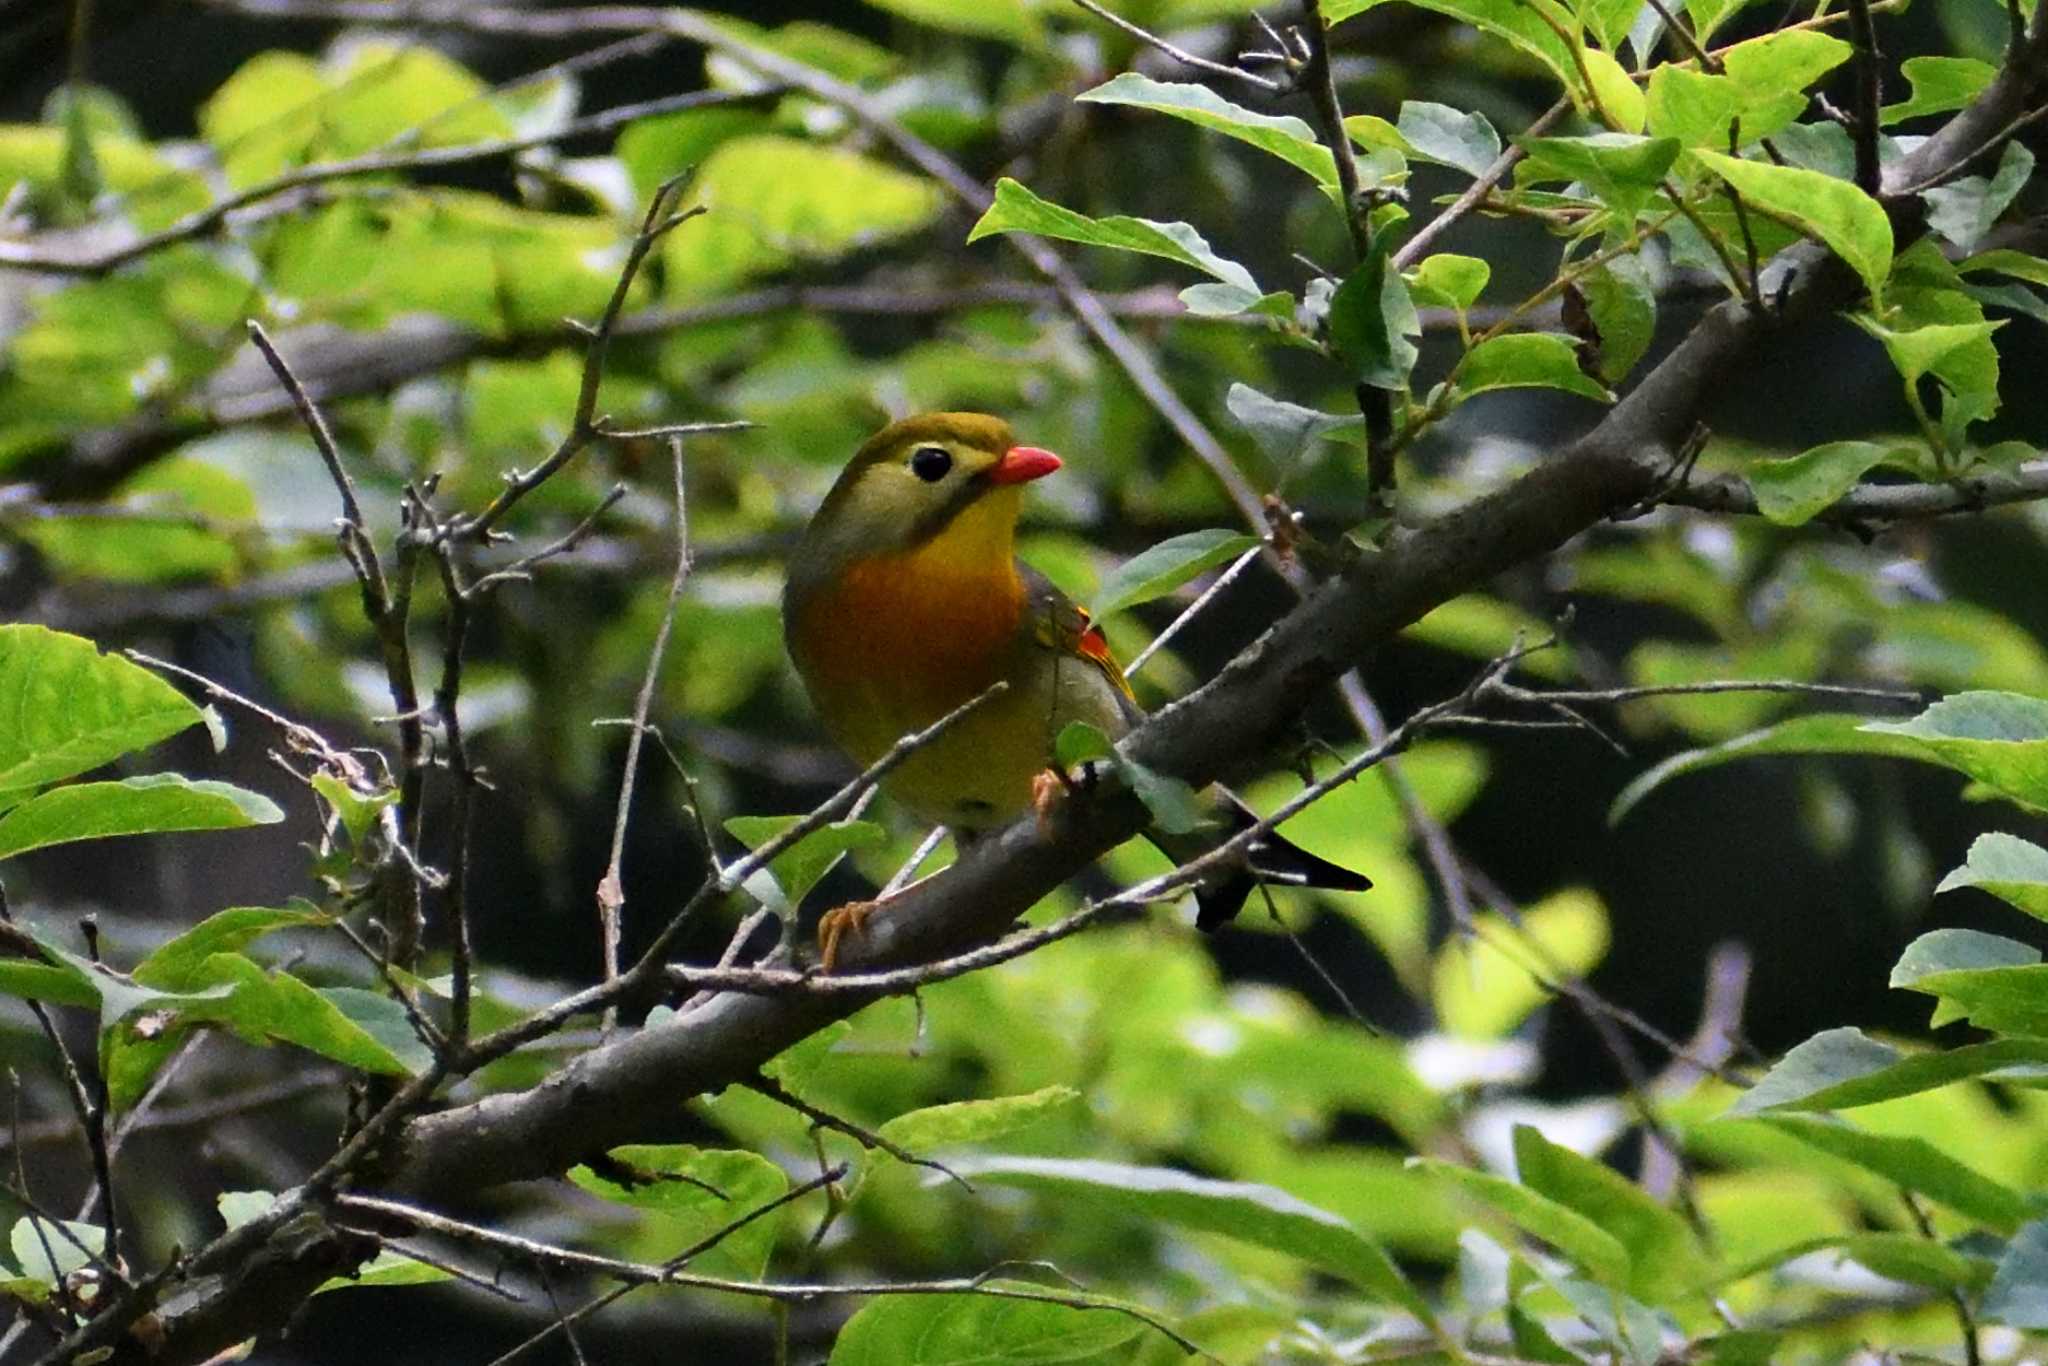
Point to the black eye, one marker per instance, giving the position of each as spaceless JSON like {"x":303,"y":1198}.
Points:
{"x":930,"y":463}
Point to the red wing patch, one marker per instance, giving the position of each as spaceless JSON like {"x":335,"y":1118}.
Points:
{"x":1094,"y":646}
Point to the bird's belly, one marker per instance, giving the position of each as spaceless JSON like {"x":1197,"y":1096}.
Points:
{"x":979,"y":772}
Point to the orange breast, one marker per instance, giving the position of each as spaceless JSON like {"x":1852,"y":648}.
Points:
{"x":899,"y":640}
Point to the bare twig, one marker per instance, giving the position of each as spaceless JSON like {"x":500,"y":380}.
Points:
{"x":1179,"y":54}
{"x":92,"y":1121}
{"x":1864,"y":127}
{"x":1194,"y":609}
{"x":823,"y":1181}
{"x":387,"y":606}
{"x":642,"y":1273}
{"x":1461,"y":208}
{"x":866,"y":1137}
{"x":662,"y":217}
{"x":611,"y":890}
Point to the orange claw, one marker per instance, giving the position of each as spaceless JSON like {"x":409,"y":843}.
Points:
{"x":1046,"y":790}
{"x":839,"y":922}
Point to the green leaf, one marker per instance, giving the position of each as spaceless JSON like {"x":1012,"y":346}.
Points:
{"x":2019,"y":265}
{"x":357,"y":811}
{"x":1771,"y":75}
{"x":1904,"y":1257}
{"x":1078,"y":743}
{"x":1623,"y":310}
{"x":2009,"y":868}
{"x":1532,"y":26}
{"x":1663,"y":1256}
{"x":979,"y":1330}
{"x":1835,"y":733}
{"x":1450,"y":137}
{"x":1914,"y":1164}
{"x":1916,"y":351}
{"x":1584,"y":1243}
{"x":66,"y":708}
{"x":1695,"y":108}
{"x":2018,"y":1294}
{"x":91,"y":545}
{"x":1254,"y":1214}
{"x":1157,"y":571}
{"x":45,"y":1255}
{"x":1450,"y":280}
{"x":1211,"y":299}
{"x":1622,"y":169}
{"x":1010,"y":21}
{"x":178,"y":964}
{"x":798,"y":868}
{"x":977,"y":1121}
{"x":1840,"y":1069}
{"x":158,"y":804}
{"x":1285,"y":137}
{"x":1940,"y":84}
{"x":1993,"y":982}
{"x":1016,"y":209}
{"x":777,"y":202}
{"x":1998,"y":738}
{"x":1371,"y":319}
{"x":1610,"y":94}
{"x":1483,"y":991}
{"x":1527,"y":360}
{"x":695,"y":1192}
{"x":266,"y":1006}
{"x":1958,"y":950}
{"x":1850,"y":222}
{"x":60,"y":982}
{"x":1284,"y":430}
{"x":1172,"y":803}
{"x":1793,"y":491}
{"x":1964,"y":210}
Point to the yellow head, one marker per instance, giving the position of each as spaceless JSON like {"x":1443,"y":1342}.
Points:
{"x":955,"y":478}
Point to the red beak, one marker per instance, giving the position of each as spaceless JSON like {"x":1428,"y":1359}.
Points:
{"x":1021,"y":464}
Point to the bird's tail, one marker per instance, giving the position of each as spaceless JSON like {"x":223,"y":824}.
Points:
{"x":1270,"y":859}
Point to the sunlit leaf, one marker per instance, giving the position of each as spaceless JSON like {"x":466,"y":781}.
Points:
{"x":1282,"y":136}
{"x":1017,"y":209}
{"x":66,"y":708}
{"x":1255,"y":1214}
{"x":158,"y":804}
{"x":1164,"y":567}
{"x":1850,"y":222}
{"x":970,"y":1330}
{"x":2008,"y":867}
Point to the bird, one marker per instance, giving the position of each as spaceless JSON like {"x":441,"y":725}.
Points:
{"x":904,"y":600}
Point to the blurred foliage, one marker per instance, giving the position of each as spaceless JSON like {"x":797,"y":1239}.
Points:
{"x":1272,"y":1176}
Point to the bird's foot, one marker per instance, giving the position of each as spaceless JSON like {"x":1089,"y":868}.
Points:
{"x":839,"y":922}
{"x":1047,"y":790}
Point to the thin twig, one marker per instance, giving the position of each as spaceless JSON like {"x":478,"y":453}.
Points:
{"x":1869,"y":98}
{"x":866,"y":1137}
{"x":662,"y":217}
{"x":1461,"y":208}
{"x":611,"y":889}
{"x":643,"y":1273}
{"x":1194,"y":609}
{"x":723,"y":881}
{"x":91,"y":1113}
{"x":823,"y":1180}
{"x":1179,"y":54}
